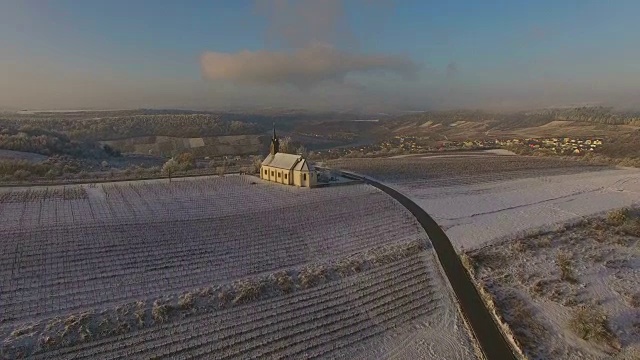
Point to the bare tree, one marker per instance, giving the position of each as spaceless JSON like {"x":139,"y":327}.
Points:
{"x":302,"y":151}
{"x":170,"y":167}
{"x":221,"y":170}
{"x":286,"y":145}
{"x":256,"y":165}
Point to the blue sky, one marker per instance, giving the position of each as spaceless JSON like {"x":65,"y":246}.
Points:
{"x":318,"y":54}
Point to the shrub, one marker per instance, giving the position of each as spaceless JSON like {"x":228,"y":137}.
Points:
{"x":520,"y":246}
{"x":21,"y":174}
{"x":284,"y":281}
{"x":140,"y":312}
{"x":160,"y":312}
{"x":255,"y":166}
{"x":312,"y":275}
{"x":468,"y":263}
{"x":566,"y":271}
{"x":170,"y":167}
{"x":186,"y":301}
{"x":540,"y":287}
{"x":617,"y":217}
{"x":23,"y":330}
{"x":206,"y":292}
{"x":590,"y":323}
{"x":522,"y":320}
{"x":186,"y":161}
{"x":224,"y":296}
{"x":631,"y":227}
{"x":247,"y":290}
{"x":349,"y":265}
{"x":633,"y":300}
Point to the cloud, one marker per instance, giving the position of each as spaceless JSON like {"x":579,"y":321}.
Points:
{"x":303,"y":68}
{"x":298,"y":23}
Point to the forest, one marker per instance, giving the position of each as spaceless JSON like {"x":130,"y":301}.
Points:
{"x":45,"y":142}
{"x":122,"y":127}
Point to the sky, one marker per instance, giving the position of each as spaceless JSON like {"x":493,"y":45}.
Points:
{"x":370,"y":55}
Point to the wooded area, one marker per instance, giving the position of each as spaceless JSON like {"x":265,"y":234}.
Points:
{"x":120,"y":127}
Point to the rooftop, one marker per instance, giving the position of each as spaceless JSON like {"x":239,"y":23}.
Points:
{"x":282,"y":160}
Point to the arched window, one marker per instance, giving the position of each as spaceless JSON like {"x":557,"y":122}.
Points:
{"x":304,"y":177}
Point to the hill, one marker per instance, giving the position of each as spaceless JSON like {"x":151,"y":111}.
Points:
{"x":220,"y":267}
{"x":461,"y":125}
{"x":167,"y":146}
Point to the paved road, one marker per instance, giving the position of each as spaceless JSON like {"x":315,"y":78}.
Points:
{"x":486,"y":331}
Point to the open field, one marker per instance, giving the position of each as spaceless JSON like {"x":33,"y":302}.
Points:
{"x":580,"y":284}
{"x":200,"y":146}
{"x":219,"y":268}
{"x":458,"y":169}
{"x":479,"y":200}
{"x":21,"y":155}
{"x":494,"y":208}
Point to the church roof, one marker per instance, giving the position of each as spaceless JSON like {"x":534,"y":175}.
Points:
{"x":282,"y":160}
{"x":303,"y":165}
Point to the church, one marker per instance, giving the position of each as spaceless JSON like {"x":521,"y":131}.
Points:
{"x":287,"y":169}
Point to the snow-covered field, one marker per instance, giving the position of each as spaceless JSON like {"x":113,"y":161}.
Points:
{"x":71,"y":255}
{"x":485,"y":203}
{"x":487,"y":198}
{"x":541,"y":282}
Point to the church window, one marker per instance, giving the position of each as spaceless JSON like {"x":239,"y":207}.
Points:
{"x":304,"y":177}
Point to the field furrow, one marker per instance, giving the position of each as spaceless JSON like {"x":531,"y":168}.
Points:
{"x":267,"y":311}
{"x":99,"y":249}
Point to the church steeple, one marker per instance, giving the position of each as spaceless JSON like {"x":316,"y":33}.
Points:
{"x":275,"y":143}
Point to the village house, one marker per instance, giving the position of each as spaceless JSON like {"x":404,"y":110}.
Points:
{"x":287,"y":169}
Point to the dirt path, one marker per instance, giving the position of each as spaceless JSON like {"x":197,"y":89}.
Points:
{"x":486,"y":331}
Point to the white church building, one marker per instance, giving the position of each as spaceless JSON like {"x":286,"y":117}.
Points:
{"x":287,"y":169}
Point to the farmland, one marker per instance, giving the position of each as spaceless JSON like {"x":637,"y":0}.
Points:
{"x":535,"y":240}
{"x":481,"y":199}
{"x":458,"y":169}
{"x":580,"y":282}
{"x":219,"y":267}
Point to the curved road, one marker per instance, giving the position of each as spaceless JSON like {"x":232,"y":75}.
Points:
{"x":486,"y":331}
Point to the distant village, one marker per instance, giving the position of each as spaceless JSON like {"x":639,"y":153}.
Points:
{"x":408,"y":144}
{"x":560,"y":146}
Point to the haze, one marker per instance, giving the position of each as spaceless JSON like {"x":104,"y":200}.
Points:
{"x":366,"y":55}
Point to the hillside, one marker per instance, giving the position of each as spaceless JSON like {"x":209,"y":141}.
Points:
{"x":46,"y":142}
{"x":166,"y":132}
{"x":167,"y":146}
{"x":220,"y":267}
{"x":119,"y":126}
{"x":535,"y":243}
{"x":460,"y":125}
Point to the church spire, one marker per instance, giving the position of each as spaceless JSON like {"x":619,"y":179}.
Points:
{"x":275,"y":143}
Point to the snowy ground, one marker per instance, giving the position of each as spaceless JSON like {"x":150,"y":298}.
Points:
{"x":475,"y":215}
{"x":483,"y":199}
{"x":73,"y":256}
{"x":486,"y":203}
{"x":602,"y":271}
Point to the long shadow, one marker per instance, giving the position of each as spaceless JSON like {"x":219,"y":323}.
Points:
{"x":486,"y":331}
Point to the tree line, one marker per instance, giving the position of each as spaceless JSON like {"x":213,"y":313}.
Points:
{"x":45,"y":142}
{"x":502,"y":121}
{"x":122,"y":127}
